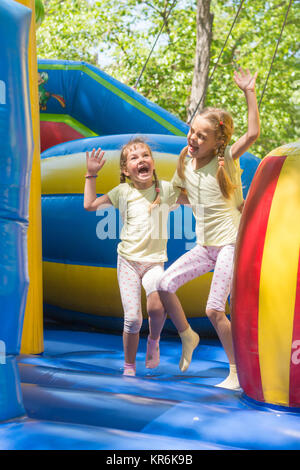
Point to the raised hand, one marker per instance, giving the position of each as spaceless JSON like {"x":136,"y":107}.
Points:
{"x":244,"y":80}
{"x":94,"y":161}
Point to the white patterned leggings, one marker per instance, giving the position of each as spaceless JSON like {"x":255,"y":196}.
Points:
{"x":200,"y":260}
{"x":132,"y":275}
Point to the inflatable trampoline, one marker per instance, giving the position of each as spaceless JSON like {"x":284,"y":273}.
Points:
{"x":61,"y":353}
{"x":79,"y":248}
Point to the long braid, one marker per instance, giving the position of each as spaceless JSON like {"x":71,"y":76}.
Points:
{"x":157,"y":199}
{"x":181,"y":161}
{"x":224,"y":181}
{"x":123,"y":160}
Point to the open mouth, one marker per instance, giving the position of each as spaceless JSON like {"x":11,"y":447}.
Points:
{"x":143,"y":170}
{"x":192,"y":148}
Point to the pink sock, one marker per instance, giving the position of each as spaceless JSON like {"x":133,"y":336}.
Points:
{"x":152,"y":356}
{"x":129,"y":369}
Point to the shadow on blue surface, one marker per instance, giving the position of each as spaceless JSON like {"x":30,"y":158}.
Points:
{"x":75,"y":397}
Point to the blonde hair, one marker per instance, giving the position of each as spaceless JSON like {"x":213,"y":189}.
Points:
{"x":222,"y":125}
{"x":123,"y":162}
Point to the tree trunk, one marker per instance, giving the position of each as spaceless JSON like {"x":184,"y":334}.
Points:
{"x":201,"y":69}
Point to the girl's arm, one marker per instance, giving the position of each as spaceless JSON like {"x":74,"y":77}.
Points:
{"x":94,"y":163}
{"x":183,"y":199}
{"x":246,"y":82}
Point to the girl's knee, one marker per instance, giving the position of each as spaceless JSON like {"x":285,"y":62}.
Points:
{"x":156,"y":312}
{"x":132,"y":325}
{"x":214,"y":315}
{"x":165,"y":285}
{"x":155,"y":307}
{"x":216,"y":304}
{"x":154,"y":303}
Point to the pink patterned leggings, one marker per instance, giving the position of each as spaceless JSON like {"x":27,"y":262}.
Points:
{"x":132,"y":275}
{"x":200,"y":260}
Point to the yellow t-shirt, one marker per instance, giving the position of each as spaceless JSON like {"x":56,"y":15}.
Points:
{"x":144,"y":234}
{"x":217,"y":218}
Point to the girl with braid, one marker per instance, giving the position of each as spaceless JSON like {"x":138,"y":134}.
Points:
{"x":142,"y":250}
{"x":211,"y":177}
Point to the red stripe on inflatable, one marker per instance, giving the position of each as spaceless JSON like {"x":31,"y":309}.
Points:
{"x":53,"y":133}
{"x":295,"y":353}
{"x":246,"y":281}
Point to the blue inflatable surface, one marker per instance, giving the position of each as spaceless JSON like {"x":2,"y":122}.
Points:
{"x":75,"y":397}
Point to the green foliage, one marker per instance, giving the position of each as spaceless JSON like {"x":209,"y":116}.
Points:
{"x":39,"y":13}
{"x":117,"y":36}
{"x":252,"y":46}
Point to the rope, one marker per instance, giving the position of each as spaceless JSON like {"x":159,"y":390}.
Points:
{"x":220,"y":54}
{"x":275,"y":52}
{"x":154,"y":44}
{"x":224,"y":45}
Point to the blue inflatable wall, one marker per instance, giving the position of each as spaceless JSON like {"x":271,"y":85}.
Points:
{"x":15,"y":164}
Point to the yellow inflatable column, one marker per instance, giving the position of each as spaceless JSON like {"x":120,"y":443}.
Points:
{"x":32,"y":337}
